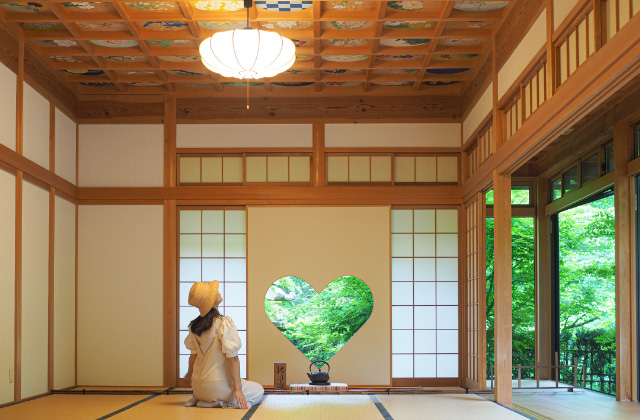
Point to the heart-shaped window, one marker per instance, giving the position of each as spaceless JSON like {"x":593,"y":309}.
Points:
{"x":318,"y":324}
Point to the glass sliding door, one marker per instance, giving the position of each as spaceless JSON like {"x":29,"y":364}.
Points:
{"x":585,"y":270}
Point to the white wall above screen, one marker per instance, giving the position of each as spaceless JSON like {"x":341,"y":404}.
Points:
{"x":530,"y":45}
{"x":36,"y":127}
{"x":244,"y":135}
{"x":8,"y":108}
{"x":392,"y":135}
{"x":121,"y":155}
{"x":65,"y":147}
{"x":481,"y":109}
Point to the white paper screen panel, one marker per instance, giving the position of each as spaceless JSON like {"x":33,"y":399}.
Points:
{"x":392,"y":135}
{"x":120,"y":260}
{"x":213,"y":246}
{"x":65,"y":147}
{"x":64,"y":313}
{"x":36,"y":127}
{"x":278,"y":169}
{"x":8,"y":107}
{"x":35,"y":286}
{"x":243,"y":135}
{"x":121,"y":155}
{"x":357,"y":168}
{"x":7,"y":280}
{"x":419,"y":169}
{"x":424,"y":290}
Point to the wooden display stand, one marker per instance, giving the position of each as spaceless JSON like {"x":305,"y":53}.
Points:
{"x":334,"y":386}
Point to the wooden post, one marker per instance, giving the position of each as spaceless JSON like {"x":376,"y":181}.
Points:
{"x":624,"y":208}
{"x":170,"y":299}
{"x":170,"y":134}
{"x":317,"y":174}
{"x":557,"y":363}
{"x":502,"y":294}
{"x":279,"y":376}
{"x":499,"y":134}
{"x":544,"y":329}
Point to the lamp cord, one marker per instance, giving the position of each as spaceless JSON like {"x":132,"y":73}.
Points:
{"x":247,"y":5}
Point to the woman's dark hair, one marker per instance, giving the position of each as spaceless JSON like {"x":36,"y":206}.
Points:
{"x":203,"y":323}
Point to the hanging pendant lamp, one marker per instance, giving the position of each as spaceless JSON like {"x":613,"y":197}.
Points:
{"x":247,"y":53}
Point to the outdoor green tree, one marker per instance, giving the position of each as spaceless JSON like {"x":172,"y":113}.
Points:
{"x":319,"y":324}
{"x":587,"y":291}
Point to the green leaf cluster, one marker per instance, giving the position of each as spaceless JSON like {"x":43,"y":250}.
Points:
{"x":320,"y":324}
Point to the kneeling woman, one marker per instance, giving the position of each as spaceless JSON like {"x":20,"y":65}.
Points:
{"x":214,"y":368}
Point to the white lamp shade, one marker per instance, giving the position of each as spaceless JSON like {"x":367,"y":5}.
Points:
{"x":247,"y":53}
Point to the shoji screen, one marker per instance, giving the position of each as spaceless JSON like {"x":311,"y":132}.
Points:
{"x":213,"y":246}
{"x":475,"y":295}
{"x":424,"y":299}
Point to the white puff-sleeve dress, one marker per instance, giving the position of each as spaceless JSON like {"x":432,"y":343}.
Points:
{"x":211,"y":378}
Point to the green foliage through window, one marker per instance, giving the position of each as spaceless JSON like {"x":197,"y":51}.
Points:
{"x":523,"y":294}
{"x":587,"y":292}
{"x":520,"y":196}
{"x":318,"y":324}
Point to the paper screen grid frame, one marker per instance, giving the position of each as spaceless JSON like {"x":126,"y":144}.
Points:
{"x":212,"y":246}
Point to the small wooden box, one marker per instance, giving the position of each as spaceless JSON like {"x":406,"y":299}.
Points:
{"x":279,"y":376}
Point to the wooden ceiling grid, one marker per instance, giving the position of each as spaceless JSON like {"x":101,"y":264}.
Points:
{"x":344,"y":48}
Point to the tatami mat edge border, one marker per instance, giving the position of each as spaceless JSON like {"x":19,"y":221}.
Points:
{"x":381,"y":408}
{"x":128,"y":407}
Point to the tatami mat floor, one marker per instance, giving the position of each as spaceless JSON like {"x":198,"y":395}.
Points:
{"x":532,"y":405}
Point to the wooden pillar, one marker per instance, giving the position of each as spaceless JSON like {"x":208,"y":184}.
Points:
{"x":170,"y":133}
{"x":551,"y":53}
{"x":17,"y":355}
{"x":502,"y":293}
{"x":170,"y":300}
{"x":624,"y":208}
{"x":317,"y":178}
{"x":544,"y":328}
{"x":498,"y":115}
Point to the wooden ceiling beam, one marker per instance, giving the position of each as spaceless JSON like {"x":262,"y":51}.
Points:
{"x":150,"y":108}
